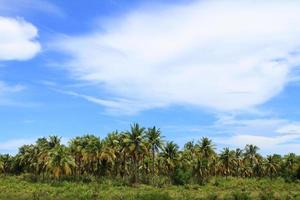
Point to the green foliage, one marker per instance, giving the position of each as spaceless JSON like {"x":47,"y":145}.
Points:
{"x":153,"y":196}
{"x":140,"y":156}
{"x":15,"y":188}
{"x":181,"y":176}
{"x":30,"y":177}
{"x":160,"y":181}
{"x":239,"y":195}
{"x":267,"y":195}
{"x":212,"y":196}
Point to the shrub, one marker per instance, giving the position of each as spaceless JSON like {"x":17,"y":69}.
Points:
{"x":153,"y":196}
{"x":29,"y":177}
{"x":238,"y":195}
{"x":266,"y":195}
{"x":160,"y":181}
{"x":181,"y":176}
{"x":212,"y":196}
{"x":298,"y":173}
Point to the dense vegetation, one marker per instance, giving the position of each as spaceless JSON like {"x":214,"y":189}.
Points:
{"x":16,"y":188}
{"x":141,"y":157}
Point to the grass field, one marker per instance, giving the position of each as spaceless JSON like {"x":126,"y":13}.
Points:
{"x":14,"y":187}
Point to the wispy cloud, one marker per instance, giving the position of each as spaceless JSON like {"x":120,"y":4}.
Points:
{"x":13,"y":7}
{"x":29,"y":121}
{"x":11,"y":89}
{"x":6,"y":93}
{"x":225,"y":55}
{"x":113,"y":107}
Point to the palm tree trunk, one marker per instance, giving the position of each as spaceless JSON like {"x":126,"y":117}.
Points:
{"x":153,"y":162}
{"x":135,"y":169}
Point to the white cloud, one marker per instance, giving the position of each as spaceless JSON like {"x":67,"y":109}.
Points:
{"x":272,"y":135}
{"x":267,"y":144}
{"x":226,"y":55}
{"x":17,"y":39}
{"x":264,"y":142}
{"x":17,"y":42}
{"x":11,"y":146}
{"x":14,"y":144}
{"x":290,"y":129}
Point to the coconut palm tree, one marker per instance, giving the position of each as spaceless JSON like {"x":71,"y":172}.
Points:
{"x":28,"y":158}
{"x":43,"y":146}
{"x":60,"y":162}
{"x":272,"y":165}
{"x":290,"y":162}
{"x":238,"y":160}
{"x":85,"y":151}
{"x":227,"y":161}
{"x":53,"y":141}
{"x":1,"y":165}
{"x":113,"y":141}
{"x":201,"y":170}
{"x":251,"y":156}
{"x":170,"y":156}
{"x":90,"y":153}
{"x":141,"y":152}
{"x":258,"y":169}
{"x":124,"y":157}
{"x":76,"y":146}
{"x":136,"y":146}
{"x":154,"y":140}
{"x":6,"y":163}
{"x":190,"y":146}
{"x":214,"y":165}
{"x":206,"y":148}
{"x":106,"y":157}
{"x":190,"y":151}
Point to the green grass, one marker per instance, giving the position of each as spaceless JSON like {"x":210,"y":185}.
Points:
{"x":14,"y":187}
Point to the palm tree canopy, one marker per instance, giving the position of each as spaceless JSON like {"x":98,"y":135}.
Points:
{"x":206,"y":147}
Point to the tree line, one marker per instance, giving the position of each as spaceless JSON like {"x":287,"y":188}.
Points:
{"x":141,"y":155}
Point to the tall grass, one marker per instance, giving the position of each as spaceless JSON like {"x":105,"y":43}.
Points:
{"x":17,"y":188}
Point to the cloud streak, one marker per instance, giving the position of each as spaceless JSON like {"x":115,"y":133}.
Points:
{"x":10,"y":89}
{"x":114,"y":106}
{"x":15,"y":7}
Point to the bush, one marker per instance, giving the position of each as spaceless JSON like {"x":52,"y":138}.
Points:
{"x":298,"y":173}
{"x":266,"y":195}
{"x":160,"y":181}
{"x":29,"y":177}
{"x":181,"y":176}
{"x":238,"y":195}
{"x":39,"y":195}
{"x":153,"y":196}
{"x":212,"y":196}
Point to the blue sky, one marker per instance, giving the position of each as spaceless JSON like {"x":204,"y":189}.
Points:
{"x":223,"y":69}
